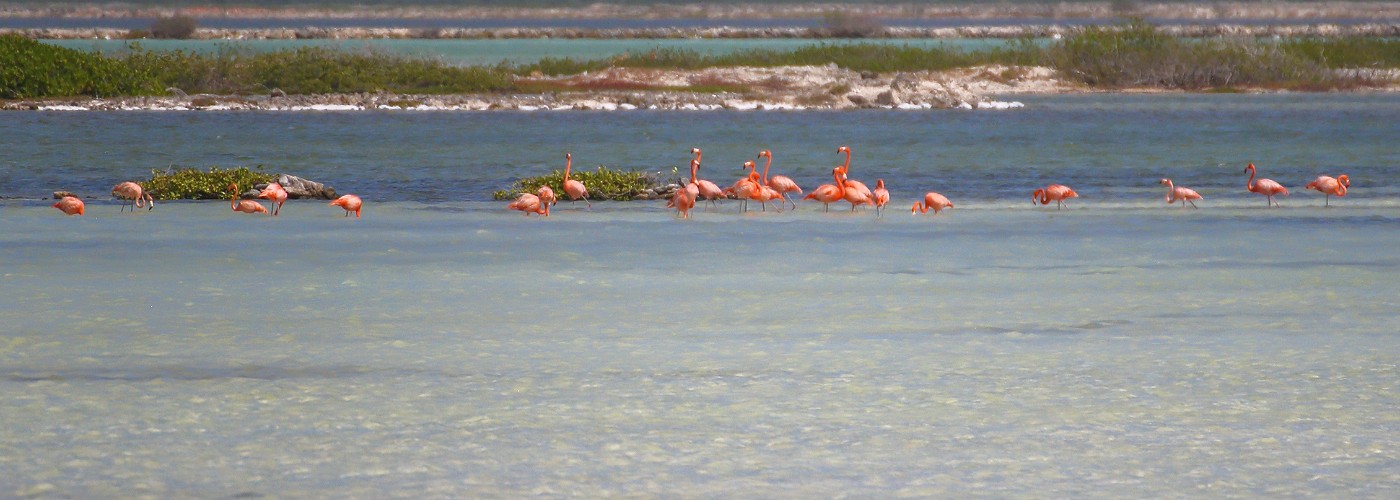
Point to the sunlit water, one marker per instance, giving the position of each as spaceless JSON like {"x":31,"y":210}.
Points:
{"x":442,"y":346}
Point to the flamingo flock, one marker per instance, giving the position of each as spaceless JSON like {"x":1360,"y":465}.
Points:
{"x":765,"y":189}
{"x":750,"y":187}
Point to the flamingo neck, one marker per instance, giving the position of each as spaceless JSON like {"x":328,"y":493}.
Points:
{"x":1249,"y":185}
{"x":847,"y":166}
{"x":694,"y":170}
{"x":765,"y":169}
{"x":1042,"y":196}
{"x":568,"y":164}
{"x":233,"y":200}
{"x":1171,"y":192}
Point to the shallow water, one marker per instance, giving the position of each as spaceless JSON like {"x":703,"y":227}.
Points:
{"x":449,"y":348}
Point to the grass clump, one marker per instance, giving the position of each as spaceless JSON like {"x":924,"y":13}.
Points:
{"x":29,"y":69}
{"x":603,"y":184}
{"x":194,"y":184}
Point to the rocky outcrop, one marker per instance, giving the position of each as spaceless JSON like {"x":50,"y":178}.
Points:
{"x":297,"y":188}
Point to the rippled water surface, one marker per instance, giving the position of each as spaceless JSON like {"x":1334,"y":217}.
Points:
{"x":440,"y":346}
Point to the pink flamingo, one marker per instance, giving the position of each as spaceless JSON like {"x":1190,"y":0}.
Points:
{"x":782,"y":185}
{"x":1057,"y":192}
{"x":1330,"y":187}
{"x":846,"y":171}
{"x":1184,"y":195}
{"x":853,"y":194}
{"x":934,"y":201}
{"x":547,"y":197}
{"x":829,"y":193}
{"x":350,"y":203}
{"x":532,"y":203}
{"x":573,"y":188}
{"x":684,"y":199}
{"x":70,"y":205}
{"x":245,"y":206}
{"x":1266,"y":187}
{"x":274,"y":193}
{"x":707,"y":190}
{"x":746,"y":188}
{"x":882,"y":196}
{"x":767,"y":194}
{"x":132,"y":191}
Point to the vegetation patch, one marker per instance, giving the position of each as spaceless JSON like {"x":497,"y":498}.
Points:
{"x":193,"y":184}
{"x":29,"y":69}
{"x":603,"y":184}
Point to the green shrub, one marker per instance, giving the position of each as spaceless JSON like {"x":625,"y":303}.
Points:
{"x":178,"y":27}
{"x":30,"y":69}
{"x":603,"y":184}
{"x":194,"y":184}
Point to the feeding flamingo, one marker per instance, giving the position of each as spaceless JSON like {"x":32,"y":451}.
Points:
{"x":684,"y":199}
{"x":1266,"y":187}
{"x":70,"y":205}
{"x":934,"y":201}
{"x":132,"y":191}
{"x":1057,"y":192}
{"x":276,"y":194}
{"x":782,"y":185}
{"x":829,"y":193}
{"x":853,"y":195}
{"x":882,"y":196}
{"x":1184,"y":195}
{"x":573,"y":188}
{"x":350,"y":203}
{"x":245,"y":206}
{"x":533,"y":203}
{"x":547,"y":197}
{"x":1330,"y":187}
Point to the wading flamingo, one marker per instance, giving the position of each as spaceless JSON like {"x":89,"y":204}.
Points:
{"x":782,"y":185}
{"x":245,"y":206}
{"x":70,"y":206}
{"x":684,"y":199}
{"x":350,"y":203}
{"x":547,"y":197}
{"x":132,"y":191}
{"x":1184,"y":195}
{"x":1266,"y":187}
{"x":274,"y":193}
{"x":846,"y":172}
{"x":746,"y":188}
{"x":934,"y":201}
{"x":829,"y":193}
{"x":1057,"y":192}
{"x":1330,"y":187}
{"x":882,"y":196}
{"x":573,"y":188}
{"x":532,"y":203}
{"x":706,"y":189}
{"x":853,"y":195}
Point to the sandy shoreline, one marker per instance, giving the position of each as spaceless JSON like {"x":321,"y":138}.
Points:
{"x":700,"y":10}
{"x":782,"y":88}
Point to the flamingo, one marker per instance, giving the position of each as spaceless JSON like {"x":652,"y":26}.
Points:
{"x":350,"y":203}
{"x":1266,"y":187}
{"x":547,"y":197}
{"x":782,"y":185}
{"x":1184,"y":195}
{"x":1057,"y":192}
{"x":746,"y":188}
{"x":767,"y":194}
{"x":829,"y":193}
{"x":706,"y":189}
{"x":532,"y":203}
{"x":1330,"y":187}
{"x":882,"y":196}
{"x":70,"y":205}
{"x":132,"y":191}
{"x":853,"y":194}
{"x":934,"y":201}
{"x":245,"y":206}
{"x":274,"y":193}
{"x":846,"y":170}
{"x":573,"y":188}
{"x":684,"y":199}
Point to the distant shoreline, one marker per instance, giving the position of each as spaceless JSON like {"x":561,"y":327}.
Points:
{"x":1047,"y":11}
{"x":1001,"y":32}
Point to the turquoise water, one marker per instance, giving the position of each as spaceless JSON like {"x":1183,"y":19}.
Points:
{"x":476,"y":52}
{"x":443,"y":346}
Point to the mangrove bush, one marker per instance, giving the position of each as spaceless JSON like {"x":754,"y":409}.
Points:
{"x":193,"y":184}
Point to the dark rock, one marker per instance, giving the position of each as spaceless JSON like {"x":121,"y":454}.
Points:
{"x":301,"y":188}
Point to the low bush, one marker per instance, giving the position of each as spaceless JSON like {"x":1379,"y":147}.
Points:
{"x":194,"y":184}
{"x":30,"y":69}
{"x":177,"y":27}
{"x":603,"y":184}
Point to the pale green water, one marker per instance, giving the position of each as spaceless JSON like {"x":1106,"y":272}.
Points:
{"x":448,"y":348}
